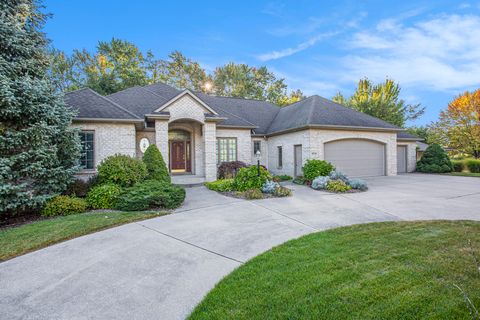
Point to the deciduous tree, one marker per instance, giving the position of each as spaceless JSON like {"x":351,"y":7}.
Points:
{"x":381,"y":100}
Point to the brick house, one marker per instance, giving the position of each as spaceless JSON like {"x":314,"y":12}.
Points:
{"x":195,"y":132}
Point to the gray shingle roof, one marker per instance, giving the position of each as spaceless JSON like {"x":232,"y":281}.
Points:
{"x":407,"y":136}
{"x":316,"y":110}
{"x":138,"y":100}
{"x":242,"y":112}
{"x":89,"y":104}
{"x":263,"y":117}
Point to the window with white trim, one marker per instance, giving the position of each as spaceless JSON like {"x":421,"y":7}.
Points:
{"x":226,"y":149}
{"x":87,"y":151}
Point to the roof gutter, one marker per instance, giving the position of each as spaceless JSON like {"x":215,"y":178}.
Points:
{"x":234,"y":126}
{"x":107,"y":120}
{"x":334,"y":127}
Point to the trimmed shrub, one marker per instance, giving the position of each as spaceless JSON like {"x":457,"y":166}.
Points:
{"x":338,"y":175}
{"x":320,"y":182}
{"x":150,"y":194}
{"x":434,"y":160}
{"x":228,"y":170}
{"x":103,"y":196}
{"x":338,"y":186}
{"x":247,"y":178}
{"x":358,"y":184}
{"x":282,"y":177}
{"x":269,"y":187}
{"x":473,"y":165}
{"x":314,"y":168}
{"x":156,"y":167}
{"x":458,"y":165}
{"x":122,"y":170}
{"x":222,"y":185}
{"x":64,"y":206}
{"x":253,"y":194}
{"x":282,"y":192}
{"x":80,"y":187}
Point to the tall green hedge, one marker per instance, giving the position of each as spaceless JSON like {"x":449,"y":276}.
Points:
{"x":434,"y":160}
{"x":156,"y":167}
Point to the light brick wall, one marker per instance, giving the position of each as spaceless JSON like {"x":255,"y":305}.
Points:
{"x":287,"y":142}
{"x":111,"y":139}
{"x":319,"y":137}
{"x":244,"y":142}
{"x":186,"y":108}
{"x":411,"y":154}
{"x":210,"y":160}
{"x":150,"y":135}
{"x":161,"y":138}
{"x":263,"y":152}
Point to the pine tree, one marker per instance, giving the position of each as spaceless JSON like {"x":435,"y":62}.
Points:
{"x":38,"y":151}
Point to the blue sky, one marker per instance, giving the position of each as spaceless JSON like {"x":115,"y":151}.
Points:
{"x":432,"y":48}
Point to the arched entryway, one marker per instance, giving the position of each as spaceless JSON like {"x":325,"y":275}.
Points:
{"x":180,"y":151}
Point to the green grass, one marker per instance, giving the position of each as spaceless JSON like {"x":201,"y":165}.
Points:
{"x":463,"y":174}
{"x":29,"y":237}
{"x":402,"y":270}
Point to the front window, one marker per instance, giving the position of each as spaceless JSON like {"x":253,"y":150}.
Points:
{"x":280,"y":157}
{"x":226,"y":149}
{"x":86,"y":157}
{"x":256,"y":147}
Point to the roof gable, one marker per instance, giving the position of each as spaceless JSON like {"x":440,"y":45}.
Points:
{"x":191,"y":95}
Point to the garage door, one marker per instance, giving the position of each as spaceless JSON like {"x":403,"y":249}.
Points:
{"x":401,"y":159}
{"x":357,"y":158}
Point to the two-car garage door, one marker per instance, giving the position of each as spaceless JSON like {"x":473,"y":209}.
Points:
{"x":356,"y":157}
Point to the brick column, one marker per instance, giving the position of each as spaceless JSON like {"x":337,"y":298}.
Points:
{"x":161,"y":138}
{"x":210,"y":140}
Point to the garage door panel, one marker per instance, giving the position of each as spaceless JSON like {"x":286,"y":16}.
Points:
{"x":357,"y":158}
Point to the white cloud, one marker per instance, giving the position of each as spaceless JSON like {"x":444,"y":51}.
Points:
{"x":277,"y":54}
{"x":441,"y":53}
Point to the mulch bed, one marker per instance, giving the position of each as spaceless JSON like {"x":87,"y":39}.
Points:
{"x":10,"y":221}
{"x":238,"y":195}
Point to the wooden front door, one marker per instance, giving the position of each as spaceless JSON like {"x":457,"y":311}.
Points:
{"x":178,"y":155}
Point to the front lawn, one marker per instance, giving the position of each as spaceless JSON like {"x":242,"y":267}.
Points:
{"x":20,"y":240}
{"x":395,"y":270}
{"x":463,"y":174}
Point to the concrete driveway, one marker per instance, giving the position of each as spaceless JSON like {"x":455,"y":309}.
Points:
{"x":161,"y":268}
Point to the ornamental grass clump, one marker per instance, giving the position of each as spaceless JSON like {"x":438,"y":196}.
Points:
{"x":338,"y":186}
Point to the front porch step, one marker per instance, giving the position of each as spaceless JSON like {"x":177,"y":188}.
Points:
{"x":188,"y":181}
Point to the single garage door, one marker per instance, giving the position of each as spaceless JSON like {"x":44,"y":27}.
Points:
{"x":356,"y":157}
{"x":401,"y":159}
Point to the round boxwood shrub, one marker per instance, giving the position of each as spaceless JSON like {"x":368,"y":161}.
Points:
{"x":150,"y":194}
{"x":156,"y":167}
{"x":228,"y":170}
{"x":64,"y":206}
{"x":103,"y":196}
{"x":434,"y":160}
{"x":314,"y":168}
{"x":248,"y":178}
{"x":122,"y":170}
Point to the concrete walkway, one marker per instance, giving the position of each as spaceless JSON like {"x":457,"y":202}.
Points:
{"x":161,"y":268}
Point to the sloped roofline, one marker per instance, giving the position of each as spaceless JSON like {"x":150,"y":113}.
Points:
{"x":182,"y":94}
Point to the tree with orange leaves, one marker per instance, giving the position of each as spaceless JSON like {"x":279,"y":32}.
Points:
{"x":460,"y":123}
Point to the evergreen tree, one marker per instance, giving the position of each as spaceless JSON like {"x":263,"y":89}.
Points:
{"x":38,"y":150}
{"x":156,"y":167}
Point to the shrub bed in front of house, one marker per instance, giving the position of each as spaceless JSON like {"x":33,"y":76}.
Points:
{"x":248,"y":184}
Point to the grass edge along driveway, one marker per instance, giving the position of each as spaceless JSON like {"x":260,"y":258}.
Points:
{"x":19,"y":240}
{"x":393,"y":270}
